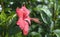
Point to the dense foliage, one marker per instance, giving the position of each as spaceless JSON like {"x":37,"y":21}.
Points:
{"x":48,"y":12}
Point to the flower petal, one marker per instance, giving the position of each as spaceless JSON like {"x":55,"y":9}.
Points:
{"x":26,"y":11}
{"x":28,"y":20}
{"x":19,"y":12}
{"x":21,"y":23}
{"x":26,"y":29}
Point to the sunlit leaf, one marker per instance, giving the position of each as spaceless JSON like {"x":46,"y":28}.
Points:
{"x":45,"y":18}
{"x":3,"y":16}
{"x":57,"y":32}
{"x":46,"y":10}
{"x":46,"y":14}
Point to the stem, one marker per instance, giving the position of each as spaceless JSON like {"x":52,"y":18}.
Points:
{"x":55,"y":13}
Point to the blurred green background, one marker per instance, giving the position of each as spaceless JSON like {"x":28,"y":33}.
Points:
{"x":48,"y":12}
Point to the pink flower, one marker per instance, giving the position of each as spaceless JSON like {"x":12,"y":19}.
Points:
{"x":24,"y":19}
{"x":23,"y":15}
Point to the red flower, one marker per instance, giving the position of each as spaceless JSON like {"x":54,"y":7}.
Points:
{"x":24,"y":19}
{"x":23,"y":15}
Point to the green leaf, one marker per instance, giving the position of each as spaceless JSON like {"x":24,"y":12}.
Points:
{"x":57,"y":32}
{"x":51,"y":26}
{"x":46,"y":10}
{"x":40,"y":30}
{"x":48,"y":35}
{"x":35,"y":34}
{"x":18,"y":34}
{"x":45,"y":18}
{"x":45,"y":13}
{"x":8,"y":20}
{"x":38,"y":8}
{"x":3,"y":16}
